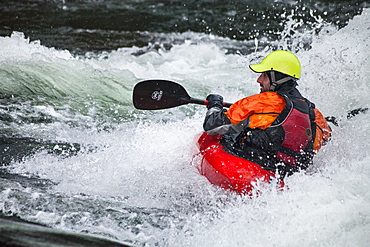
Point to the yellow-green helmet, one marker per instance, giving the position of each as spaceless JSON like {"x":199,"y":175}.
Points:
{"x":280,"y":61}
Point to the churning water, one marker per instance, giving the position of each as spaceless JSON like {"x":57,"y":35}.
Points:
{"x":80,"y":158}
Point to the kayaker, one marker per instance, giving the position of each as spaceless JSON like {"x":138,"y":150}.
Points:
{"x":278,"y":128}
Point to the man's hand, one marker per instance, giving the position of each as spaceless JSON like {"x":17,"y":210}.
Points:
{"x":215,"y":100}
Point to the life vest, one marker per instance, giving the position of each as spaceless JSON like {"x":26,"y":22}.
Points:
{"x":297,"y":146}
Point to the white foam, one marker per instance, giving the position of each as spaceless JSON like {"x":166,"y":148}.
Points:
{"x":147,"y":160}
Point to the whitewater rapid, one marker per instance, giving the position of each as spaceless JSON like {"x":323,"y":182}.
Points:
{"x":136,"y":179}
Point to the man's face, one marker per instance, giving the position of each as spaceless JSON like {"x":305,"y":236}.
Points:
{"x":264,"y":82}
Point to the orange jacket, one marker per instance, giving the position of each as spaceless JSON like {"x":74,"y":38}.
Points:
{"x":262,"y":109}
{"x":323,"y":130}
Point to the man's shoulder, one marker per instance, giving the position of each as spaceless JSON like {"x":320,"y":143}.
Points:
{"x":263,"y":95}
{"x":267,"y":97}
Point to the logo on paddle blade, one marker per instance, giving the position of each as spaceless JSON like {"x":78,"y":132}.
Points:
{"x":157,"y":95}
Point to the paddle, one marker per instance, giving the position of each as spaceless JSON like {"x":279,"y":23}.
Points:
{"x":350,"y":115}
{"x":163,"y":94}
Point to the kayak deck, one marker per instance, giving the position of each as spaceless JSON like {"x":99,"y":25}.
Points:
{"x":226,"y":170}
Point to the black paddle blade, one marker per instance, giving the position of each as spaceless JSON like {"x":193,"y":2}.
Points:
{"x":159,"y":94}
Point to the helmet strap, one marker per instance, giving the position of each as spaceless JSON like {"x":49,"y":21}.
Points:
{"x":281,"y":81}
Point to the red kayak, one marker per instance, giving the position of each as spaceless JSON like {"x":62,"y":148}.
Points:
{"x":226,"y":170}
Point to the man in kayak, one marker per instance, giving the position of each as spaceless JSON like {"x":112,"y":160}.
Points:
{"x":278,"y":128}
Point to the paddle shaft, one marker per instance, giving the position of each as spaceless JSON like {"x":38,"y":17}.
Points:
{"x":350,"y":114}
{"x":205,"y":102}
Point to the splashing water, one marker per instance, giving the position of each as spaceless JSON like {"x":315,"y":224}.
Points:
{"x":136,"y":184}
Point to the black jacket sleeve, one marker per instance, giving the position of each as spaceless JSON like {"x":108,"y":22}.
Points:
{"x":217,"y":123}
